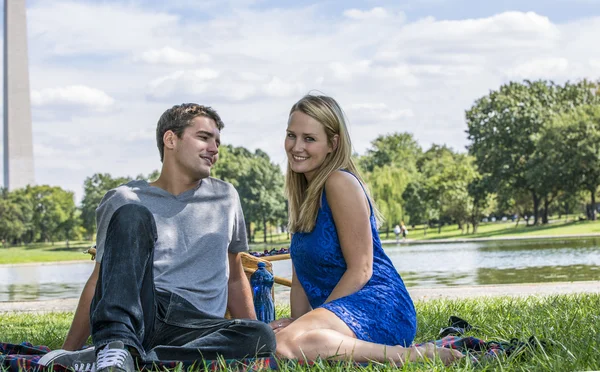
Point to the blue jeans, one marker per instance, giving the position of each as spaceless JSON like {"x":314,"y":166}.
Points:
{"x":159,"y":325}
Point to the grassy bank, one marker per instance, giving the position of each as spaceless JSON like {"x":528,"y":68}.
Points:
{"x":503,"y":230}
{"x":44,"y":252}
{"x":567,"y":322}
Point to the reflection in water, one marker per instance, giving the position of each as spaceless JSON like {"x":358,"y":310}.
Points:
{"x":421,"y":265}
{"x":538,"y":274}
{"x":43,"y":282}
{"x":40,"y":291}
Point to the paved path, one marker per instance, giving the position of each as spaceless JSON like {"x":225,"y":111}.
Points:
{"x":418,"y":294}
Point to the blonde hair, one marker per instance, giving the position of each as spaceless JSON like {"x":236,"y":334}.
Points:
{"x":304,"y":199}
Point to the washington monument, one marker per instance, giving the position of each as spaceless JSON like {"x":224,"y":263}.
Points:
{"x":18,"y":142}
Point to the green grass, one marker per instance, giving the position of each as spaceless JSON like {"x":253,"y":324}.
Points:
{"x":505,"y":229}
{"x":44,"y":252}
{"x":568,"y":322}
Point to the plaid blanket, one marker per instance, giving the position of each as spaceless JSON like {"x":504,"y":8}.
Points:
{"x":25,"y":356}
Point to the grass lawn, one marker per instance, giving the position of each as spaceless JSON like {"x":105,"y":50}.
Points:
{"x":505,"y":229}
{"x":45,"y":252}
{"x":569,"y":323}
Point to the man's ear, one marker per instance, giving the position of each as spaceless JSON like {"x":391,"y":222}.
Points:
{"x":169,"y":139}
{"x":334,"y":142}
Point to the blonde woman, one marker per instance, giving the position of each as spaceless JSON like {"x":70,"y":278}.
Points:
{"x":348,"y":302}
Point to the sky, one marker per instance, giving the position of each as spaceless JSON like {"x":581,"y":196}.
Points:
{"x":102,"y":72}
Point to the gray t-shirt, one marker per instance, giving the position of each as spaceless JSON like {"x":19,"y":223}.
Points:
{"x":196,"y":230}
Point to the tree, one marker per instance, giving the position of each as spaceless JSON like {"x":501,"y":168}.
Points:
{"x":483,"y":201}
{"x":12,"y":218}
{"x":387,"y":184}
{"x":258,"y":182}
{"x":94,"y":188}
{"x":503,"y":127}
{"x":569,"y":152}
{"x":447,"y":176}
{"x":398,"y":149}
{"x":53,"y":212}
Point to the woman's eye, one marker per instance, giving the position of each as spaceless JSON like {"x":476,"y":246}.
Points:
{"x":310,"y":139}
{"x":290,"y":135}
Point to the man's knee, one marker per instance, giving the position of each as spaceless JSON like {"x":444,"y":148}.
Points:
{"x":262,"y":336}
{"x":132,"y":216}
{"x":132,"y":213}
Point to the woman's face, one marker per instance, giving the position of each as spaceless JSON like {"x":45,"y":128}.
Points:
{"x":306,"y":144}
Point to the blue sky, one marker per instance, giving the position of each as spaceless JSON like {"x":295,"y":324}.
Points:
{"x":102,"y":72}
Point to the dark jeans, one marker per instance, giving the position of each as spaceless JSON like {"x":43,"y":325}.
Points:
{"x":159,"y":325}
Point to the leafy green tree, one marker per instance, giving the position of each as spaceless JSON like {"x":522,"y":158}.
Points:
{"x":503,"y":127}
{"x":258,"y":182}
{"x":569,"y":152}
{"x":387,"y":184}
{"x":53,"y":211}
{"x":398,"y":149}
{"x":12,"y":218}
{"x":94,"y":188}
{"x":448,"y":176}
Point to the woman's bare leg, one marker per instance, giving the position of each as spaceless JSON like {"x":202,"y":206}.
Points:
{"x":320,"y":333}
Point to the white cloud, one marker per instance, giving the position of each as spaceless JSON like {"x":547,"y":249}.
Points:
{"x":75,"y":28}
{"x":540,"y":68}
{"x":379,"y":111}
{"x":276,"y":87}
{"x":171,"y":56}
{"x":375,"y":13}
{"x":229,"y":86}
{"x":192,"y":82}
{"x":346,"y":71}
{"x":74,"y":95}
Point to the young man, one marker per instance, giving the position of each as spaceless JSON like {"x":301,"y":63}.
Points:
{"x":168,"y":260}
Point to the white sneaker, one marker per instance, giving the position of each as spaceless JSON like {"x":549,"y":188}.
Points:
{"x":114,"y":357}
{"x":79,"y":361}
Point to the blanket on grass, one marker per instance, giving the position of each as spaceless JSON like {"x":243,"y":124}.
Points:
{"x":26,"y":356}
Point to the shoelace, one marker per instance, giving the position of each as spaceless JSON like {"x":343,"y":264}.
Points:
{"x":111,"y":358}
{"x":84,"y":367}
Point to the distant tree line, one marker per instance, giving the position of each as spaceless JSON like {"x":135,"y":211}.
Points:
{"x":534,"y":150}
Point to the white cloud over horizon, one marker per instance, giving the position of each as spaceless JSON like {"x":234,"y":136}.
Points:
{"x":73,"y":95}
{"x":102,"y":73}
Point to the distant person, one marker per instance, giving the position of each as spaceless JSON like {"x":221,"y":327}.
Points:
{"x":404,"y":230}
{"x":397,"y":231}
{"x":348,"y":301}
{"x":168,"y":260}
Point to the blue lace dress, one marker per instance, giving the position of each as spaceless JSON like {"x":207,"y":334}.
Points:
{"x":381,"y":312}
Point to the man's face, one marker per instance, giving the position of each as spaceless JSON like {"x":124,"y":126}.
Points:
{"x":198,"y":148}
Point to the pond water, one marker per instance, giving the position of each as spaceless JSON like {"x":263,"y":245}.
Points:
{"x":421,"y":265}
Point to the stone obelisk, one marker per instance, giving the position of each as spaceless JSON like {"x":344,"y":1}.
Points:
{"x":18,"y":141}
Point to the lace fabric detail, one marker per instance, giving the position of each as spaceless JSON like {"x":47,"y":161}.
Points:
{"x":381,"y":312}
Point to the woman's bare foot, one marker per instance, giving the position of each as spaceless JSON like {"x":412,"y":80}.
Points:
{"x":428,"y":351}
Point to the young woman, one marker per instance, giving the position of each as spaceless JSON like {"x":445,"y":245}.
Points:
{"x":348,"y":302}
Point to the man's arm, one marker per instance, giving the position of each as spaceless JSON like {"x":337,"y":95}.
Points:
{"x":80,"y":327}
{"x":239,"y":300}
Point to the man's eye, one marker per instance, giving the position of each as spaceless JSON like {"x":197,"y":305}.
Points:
{"x":291,"y":135}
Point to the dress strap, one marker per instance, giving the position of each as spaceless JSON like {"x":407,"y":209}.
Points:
{"x":363,"y":188}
